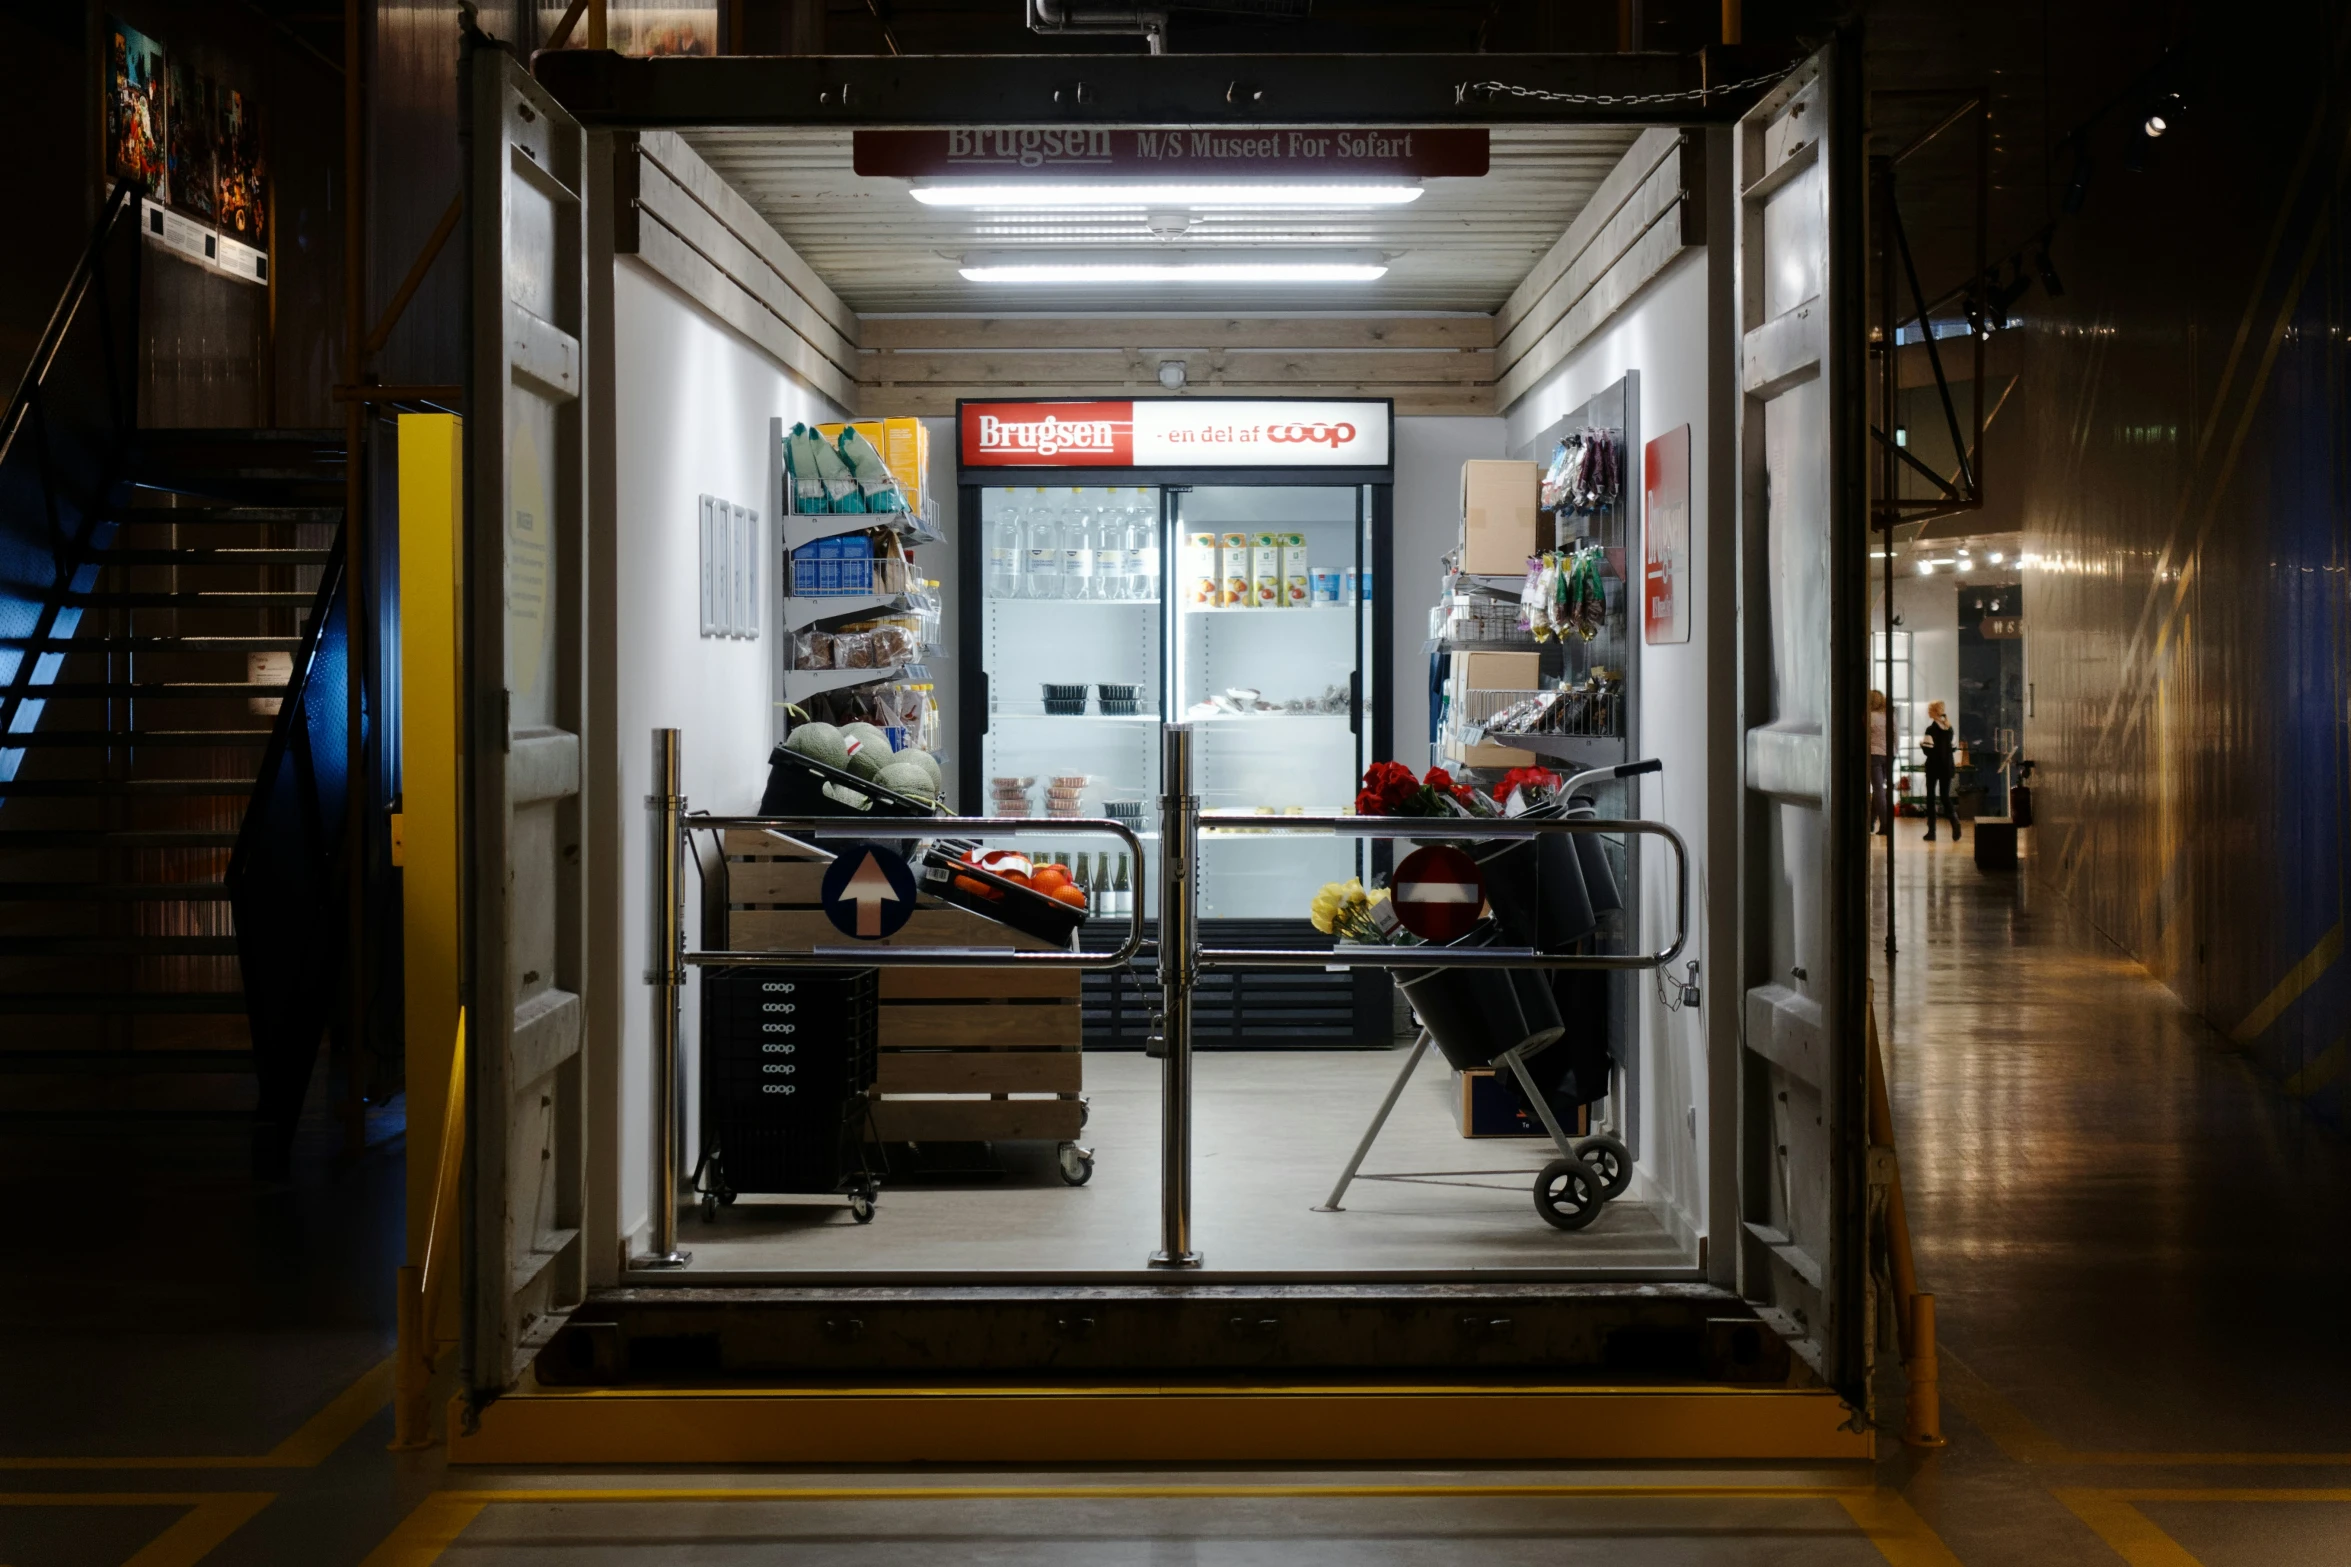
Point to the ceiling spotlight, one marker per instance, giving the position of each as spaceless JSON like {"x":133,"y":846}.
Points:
{"x":2162,"y":115}
{"x":1154,"y":194}
{"x":1195,"y":266}
{"x":1172,"y":374}
{"x":1926,"y":568}
{"x":1997,"y":557}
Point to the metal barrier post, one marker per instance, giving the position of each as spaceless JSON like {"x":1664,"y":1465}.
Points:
{"x":668,"y":803}
{"x":1179,"y":944}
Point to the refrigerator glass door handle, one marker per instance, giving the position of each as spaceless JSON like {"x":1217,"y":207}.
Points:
{"x":1355,"y":701}
{"x":985,"y":704}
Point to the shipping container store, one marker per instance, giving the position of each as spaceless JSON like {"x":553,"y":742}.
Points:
{"x":1090,"y":1241}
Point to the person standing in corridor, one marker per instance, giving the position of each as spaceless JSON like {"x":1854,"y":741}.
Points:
{"x":1881,"y":765}
{"x":1942,"y":764}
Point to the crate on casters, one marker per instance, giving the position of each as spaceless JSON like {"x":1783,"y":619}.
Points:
{"x":787,"y":1068}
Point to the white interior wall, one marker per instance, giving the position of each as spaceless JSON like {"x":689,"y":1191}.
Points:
{"x":692,"y":403}
{"x":1429,"y":454}
{"x":1663,"y":334}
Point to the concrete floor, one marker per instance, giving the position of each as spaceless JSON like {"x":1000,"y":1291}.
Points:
{"x":1271,"y":1132}
{"x":2139,"y":1248}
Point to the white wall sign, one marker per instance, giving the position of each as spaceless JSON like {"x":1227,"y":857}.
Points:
{"x":729,"y":577}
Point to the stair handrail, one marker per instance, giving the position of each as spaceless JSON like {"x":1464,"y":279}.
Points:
{"x":119,"y":200}
{"x":25,"y":407}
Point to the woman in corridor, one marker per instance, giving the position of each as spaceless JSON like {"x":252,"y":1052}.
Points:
{"x":1881,"y":765}
{"x":1942,"y":762}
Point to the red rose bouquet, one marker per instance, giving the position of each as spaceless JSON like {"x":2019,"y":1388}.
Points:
{"x":1389,"y":789}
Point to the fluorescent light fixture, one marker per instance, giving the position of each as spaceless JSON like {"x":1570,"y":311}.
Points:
{"x":1166,"y":266}
{"x":1167,"y":193}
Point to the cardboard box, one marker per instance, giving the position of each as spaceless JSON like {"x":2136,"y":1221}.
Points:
{"x":1499,"y":517}
{"x":1497,"y":671}
{"x":1485,"y":1106}
{"x":905,"y":445}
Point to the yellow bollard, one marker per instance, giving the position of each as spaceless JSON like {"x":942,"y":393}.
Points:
{"x":1924,"y":1427}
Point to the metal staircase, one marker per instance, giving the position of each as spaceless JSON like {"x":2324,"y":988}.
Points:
{"x":118,"y":956}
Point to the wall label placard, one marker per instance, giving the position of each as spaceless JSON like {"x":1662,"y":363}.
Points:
{"x":1087,"y":151}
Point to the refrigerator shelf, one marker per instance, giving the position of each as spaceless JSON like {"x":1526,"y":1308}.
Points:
{"x":1022,"y":598}
{"x":1253,"y":609}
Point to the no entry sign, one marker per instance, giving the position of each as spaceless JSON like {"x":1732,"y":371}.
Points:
{"x":1438,"y":893}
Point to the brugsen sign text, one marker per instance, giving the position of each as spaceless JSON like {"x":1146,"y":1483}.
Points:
{"x":1176,"y":433}
{"x":1095,"y":151}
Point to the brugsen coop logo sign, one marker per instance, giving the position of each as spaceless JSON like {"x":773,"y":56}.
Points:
{"x":1006,"y":145}
{"x":1000,"y":150}
{"x":1050,"y":436}
{"x":1176,"y":432}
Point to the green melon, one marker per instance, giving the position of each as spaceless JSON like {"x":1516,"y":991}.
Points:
{"x":910,"y":780}
{"x":819,"y":743}
{"x":868,"y":761}
{"x":871,"y":737}
{"x":927,"y":762}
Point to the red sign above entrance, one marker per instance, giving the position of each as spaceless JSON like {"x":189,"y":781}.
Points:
{"x":1176,"y":432}
{"x":1321,"y":153}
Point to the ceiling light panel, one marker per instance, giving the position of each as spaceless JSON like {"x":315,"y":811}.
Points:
{"x":1171,"y":266}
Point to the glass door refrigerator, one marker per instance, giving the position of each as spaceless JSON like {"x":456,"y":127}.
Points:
{"x":1091,"y":614}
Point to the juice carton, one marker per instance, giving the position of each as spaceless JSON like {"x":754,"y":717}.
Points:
{"x":1265,"y":559}
{"x":1238,"y":586}
{"x":1203,"y":570}
{"x":1297,"y":588}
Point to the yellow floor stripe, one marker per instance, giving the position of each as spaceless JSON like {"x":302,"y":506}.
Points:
{"x":2129,"y":1533}
{"x":2321,"y":1070}
{"x":308,"y":1447}
{"x":1890,"y":1523}
{"x":2289,"y":990}
{"x":2017,"y":1435}
{"x":2136,"y":1538}
{"x":212,"y":1517}
{"x":425,"y":1533}
{"x":1895,"y":1528}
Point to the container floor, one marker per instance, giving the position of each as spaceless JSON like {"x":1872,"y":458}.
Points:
{"x":1270,"y":1134}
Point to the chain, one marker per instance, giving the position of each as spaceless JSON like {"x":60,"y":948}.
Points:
{"x":1609,"y":100}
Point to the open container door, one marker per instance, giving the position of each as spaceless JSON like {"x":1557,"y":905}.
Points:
{"x":525,"y":533}
{"x":1801,"y":1081}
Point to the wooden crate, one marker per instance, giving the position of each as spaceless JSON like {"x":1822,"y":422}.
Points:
{"x":966,"y":1054}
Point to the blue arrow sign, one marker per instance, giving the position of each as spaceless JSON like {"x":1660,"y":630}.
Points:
{"x":869,"y":891}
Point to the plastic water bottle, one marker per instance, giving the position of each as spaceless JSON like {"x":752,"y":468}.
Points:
{"x":1005,"y":546}
{"x":1043,"y":568}
{"x":1077,"y":549}
{"x":1110,"y":549}
{"x":1142,"y":527}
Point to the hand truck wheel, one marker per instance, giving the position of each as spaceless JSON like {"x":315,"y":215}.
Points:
{"x":1567,"y":1194}
{"x":1610,"y":1160}
{"x":710,"y":1207}
{"x":861,"y":1207}
{"x":1077,"y":1164}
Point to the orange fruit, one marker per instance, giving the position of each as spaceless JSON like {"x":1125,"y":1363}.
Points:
{"x":1071,"y":894}
{"x":1049,"y":879}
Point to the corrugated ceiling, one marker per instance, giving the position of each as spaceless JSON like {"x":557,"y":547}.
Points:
{"x":1463,"y":246}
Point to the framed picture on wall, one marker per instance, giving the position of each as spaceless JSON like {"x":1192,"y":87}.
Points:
{"x":194,"y":180}
{"x":243,"y":210}
{"x":137,"y":106}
